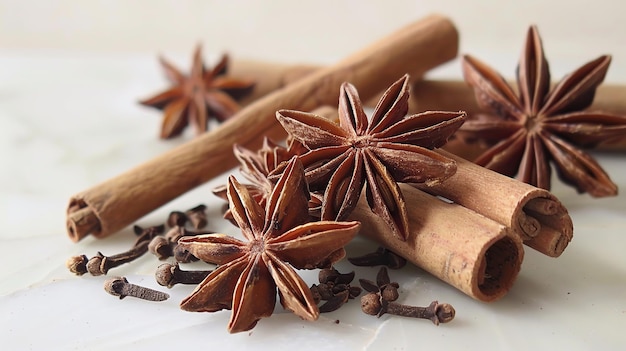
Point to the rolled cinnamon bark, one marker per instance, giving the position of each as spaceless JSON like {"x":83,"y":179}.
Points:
{"x":471,"y":252}
{"x":534,"y":214}
{"x":268,"y":76}
{"x":426,"y":95}
{"x":117,"y":202}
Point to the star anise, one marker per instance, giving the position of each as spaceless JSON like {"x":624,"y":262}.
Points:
{"x":529,"y":130}
{"x":277,"y":240}
{"x":256,"y":168}
{"x":197,"y":97}
{"x":374,"y":152}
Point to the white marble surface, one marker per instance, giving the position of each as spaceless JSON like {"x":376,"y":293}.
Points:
{"x":69,"y":119}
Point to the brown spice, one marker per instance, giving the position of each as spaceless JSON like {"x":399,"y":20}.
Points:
{"x":380,"y":257}
{"x":249,"y":273}
{"x":381,"y":295}
{"x":435,"y":312}
{"x":169,"y":275}
{"x":334,"y":288}
{"x":119,"y":286}
{"x":197,"y":97}
{"x":379,"y":151}
{"x":107,"y":207}
{"x":537,"y":127}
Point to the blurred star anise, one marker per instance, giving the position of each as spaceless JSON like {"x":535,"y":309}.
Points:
{"x":249,"y":273}
{"x":256,"y":168}
{"x":374,"y":152}
{"x":197,"y":97}
{"x":527,"y":131}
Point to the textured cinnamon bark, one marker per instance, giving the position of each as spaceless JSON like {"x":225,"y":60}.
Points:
{"x":426,"y":95}
{"x":534,"y":214}
{"x":115,"y":203}
{"x":268,"y":76}
{"x":471,"y":252}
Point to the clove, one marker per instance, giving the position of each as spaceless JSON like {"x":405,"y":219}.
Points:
{"x":435,"y":312}
{"x":334,"y":288}
{"x":197,"y":216}
{"x":380,"y":257}
{"x":160,"y":247}
{"x":119,"y":286}
{"x":177,"y":218}
{"x":100,"y":264}
{"x":170,"y":274}
{"x":382,"y":294}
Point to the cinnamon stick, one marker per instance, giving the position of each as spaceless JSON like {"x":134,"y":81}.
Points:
{"x":534,"y":214}
{"x":471,"y":252}
{"x":426,"y":95}
{"x":268,"y":76}
{"x":117,"y":202}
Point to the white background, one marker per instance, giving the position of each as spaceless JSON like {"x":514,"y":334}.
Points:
{"x":70,"y":75}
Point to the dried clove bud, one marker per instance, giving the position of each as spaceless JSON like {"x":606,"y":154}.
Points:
{"x":197,"y":216}
{"x":387,"y":290}
{"x":177,"y":218}
{"x":438,"y":313}
{"x":381,"y":295}
{"x":100,"y":264}
{"x":170,"y":274}
{"x":334,"y":288}
{"x":77,"y":264}
{"x":335,"y":302}
{"x":161,"y":248}
{"x":181,"y":255}
{"x":380,"y":257}
{"x":119,"y":286}
{"x":147,"y":234}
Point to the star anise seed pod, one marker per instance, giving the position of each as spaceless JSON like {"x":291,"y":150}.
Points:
{"x":537,"y":126}
{"x":375,"y":152}
{"x":250,"y":272}
{"x":197,"y":97}
{"x":257,"y":166}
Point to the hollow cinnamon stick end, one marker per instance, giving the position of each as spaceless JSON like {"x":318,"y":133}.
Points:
{"x":81,"y":220}
{"x":552,"y":245}
{"x":497,"y":269}
{"x":556,"y":228}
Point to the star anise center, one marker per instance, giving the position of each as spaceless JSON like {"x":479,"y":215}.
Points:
{"x":362,"y":141}
{"x":194,"y":86}
{"x":257,"y":246}
{"x":538,"y":127}
{"x":533,"y":123}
